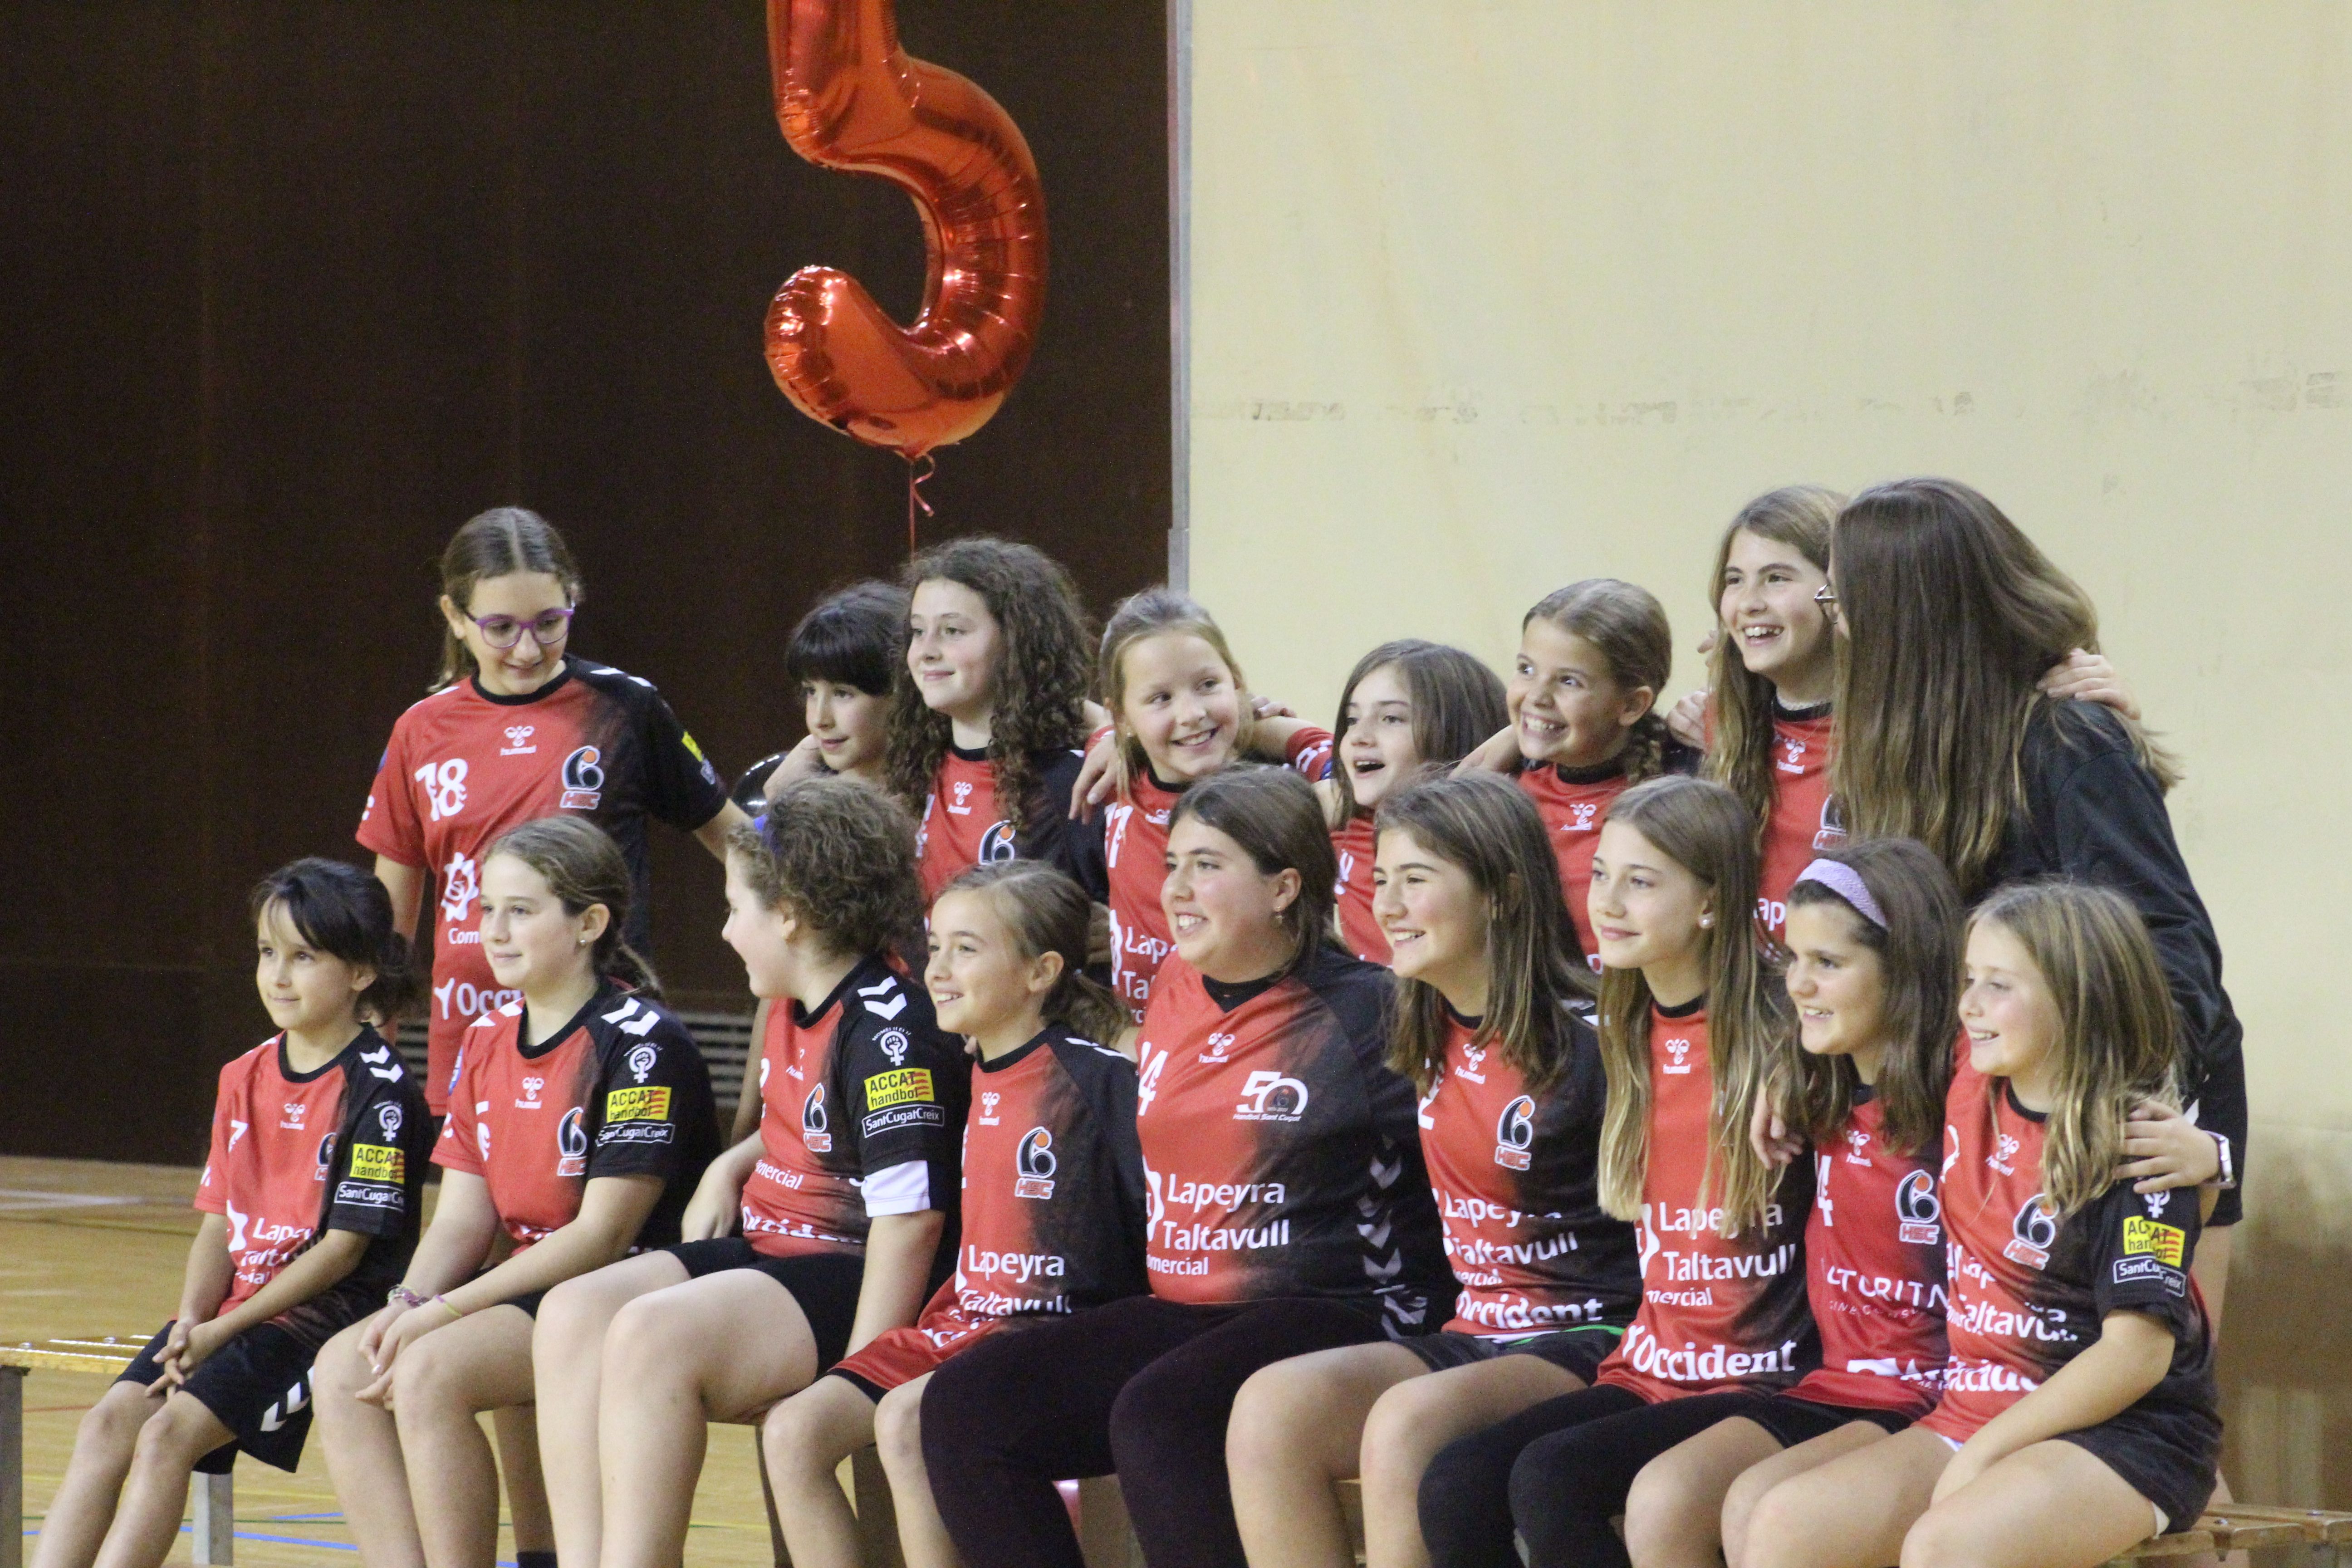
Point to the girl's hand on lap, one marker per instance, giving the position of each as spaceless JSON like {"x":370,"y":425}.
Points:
{"x":710,"y":1213}
{"x":2163,"y":1150}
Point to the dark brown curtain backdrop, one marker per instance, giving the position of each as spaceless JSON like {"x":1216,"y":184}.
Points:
{"x":288,"y":290}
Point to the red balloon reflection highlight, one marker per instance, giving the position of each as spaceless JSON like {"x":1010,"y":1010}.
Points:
{"x":849,"y":97}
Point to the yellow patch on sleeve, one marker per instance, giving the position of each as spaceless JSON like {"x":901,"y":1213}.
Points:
{"x":648,"y":1104}
{"x":692,"y":747}
{"x":375,"y":1162}
{"x":904,"y":1087}
{"x":2147,"y":1238}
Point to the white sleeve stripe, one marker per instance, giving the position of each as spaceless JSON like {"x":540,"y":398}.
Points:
{"x":901,"y":1189}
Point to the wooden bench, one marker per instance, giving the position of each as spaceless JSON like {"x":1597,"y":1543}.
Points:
{"x":214,"y":1496}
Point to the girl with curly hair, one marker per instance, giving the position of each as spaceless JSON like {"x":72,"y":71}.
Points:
{"x":988,"y":711}
{"x":843,"y":1197}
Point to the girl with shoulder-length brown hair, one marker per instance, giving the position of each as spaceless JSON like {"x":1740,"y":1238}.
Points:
{"x":987,"y":709}
{"x":1290,"y":1212}
{"x":1949,"y":614}
{"x":1493,"y":1027}
{"x":517,"y":728}
{"x":1690,"y":1021}
{"x":2078,"y":1413}
{"x":1407,"y":705}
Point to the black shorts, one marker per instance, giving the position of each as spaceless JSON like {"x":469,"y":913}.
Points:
{"x":2169,"y":1453}
{"x":826,"y":1284}
{"x":258,"y":1385}
{"x":1577,"y":1350}
{"x":1789,"y":1421}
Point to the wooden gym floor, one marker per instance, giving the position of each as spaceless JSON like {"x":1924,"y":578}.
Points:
{"x":89,"y":1248}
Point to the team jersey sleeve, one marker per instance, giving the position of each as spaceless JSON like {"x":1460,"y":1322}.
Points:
{"x":372,"y":1189}
{"x":2112,"y":829}
{"x":900,"y":1083}
{"x":1073,"y":849}
{"x":212,"y":1196}
{"x":2144,"y":1244}
{"x":681,"y":786}
{"x":1111,"y":1102}
{"x":1309,"y":751}
{"x":459,"y":1145}
{"x":645,"y":1091}
{"x":388,"y":824}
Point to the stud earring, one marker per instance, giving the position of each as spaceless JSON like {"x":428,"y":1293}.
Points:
{"x":1704,"y":921}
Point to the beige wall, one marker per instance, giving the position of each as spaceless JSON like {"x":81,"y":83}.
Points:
{"x":1491,"y":296}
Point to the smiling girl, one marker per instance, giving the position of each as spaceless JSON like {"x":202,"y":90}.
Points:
{"x":2079,"y":1415}
{"x":1053,"y":1200}
{"x":845,"y":1195}
{"x":1592,"y":660}
{"x":517,"y":728}
{"x":1688,"y":1018}
{"x":1289,"y":1208}
{"x":1493,"y":1028}
{"x":311,"y":1197}
{"x":988,"y":710}
{"x":580,"y":1119}
{"x":839,"y":659}
{"x":1180,"y":714}
{"x":1407,"y":705}
{"x":1873,"y":973}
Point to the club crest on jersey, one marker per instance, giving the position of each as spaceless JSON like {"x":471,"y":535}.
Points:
{"x":572,"y":1143}
{"x":893,"y":1044}
{"x":387,"y":1116}
{"x":816,"y":1132}
{"x":2033,"y":1234}
{"x":530,"y":1087}
{"x":461,"y":884}
{"x":988,"y":1103}
{"x":1034,"y":1164}
{"x":641,"y":1060}
{"x":1514,"y":1133}
{"x":518,"y":741}
{"x":1857,"y":1149}
{"x":962,"y":804}
{"x":583,"y":780}
{"x":1918,"y":1213}
{"x":296,"y":1110}
{"x":1678,"y":1057}
{"x":996,"y":844}
{"x":1832,"y":833}
{"x":326,"y":1158}
{"x":1270,"y":1096}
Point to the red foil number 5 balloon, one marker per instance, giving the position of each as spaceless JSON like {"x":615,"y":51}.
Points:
{"x":849,"y":97}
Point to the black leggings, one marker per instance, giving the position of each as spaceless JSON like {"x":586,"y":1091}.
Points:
{"x":1143,"y":1387}
{"x":1556,"y":1473}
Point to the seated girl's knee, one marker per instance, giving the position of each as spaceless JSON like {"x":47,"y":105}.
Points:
{"x":899,"y":1426}
{"x":1935,"y":1540}
{"x":181,"y":1432}
{"x":1271,"y":1414}
{"x":1775,"y":1532}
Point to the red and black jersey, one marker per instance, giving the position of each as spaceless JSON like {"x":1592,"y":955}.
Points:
{"x":1134,"y":830}
{"x":463,"y":766}
{"x":963,"y":825}
{"x":619,"y":1091}
{"x":860,"y":1105}
{"x":295,"y":1155}
{"x":1716,"y":1314}
{"x":1053,"y":1188}
{"x":2029,"y":1289}
{"x":1516,"y":1176}
{"x":1355,"y":845}
{"x":1804,"y":819}
{"x":1571,"y":803}
{"x":1280,"y":1150}
{"x":1875,"y":1271}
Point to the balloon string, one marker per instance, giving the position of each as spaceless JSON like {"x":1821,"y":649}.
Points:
{"x":917,"y":470}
